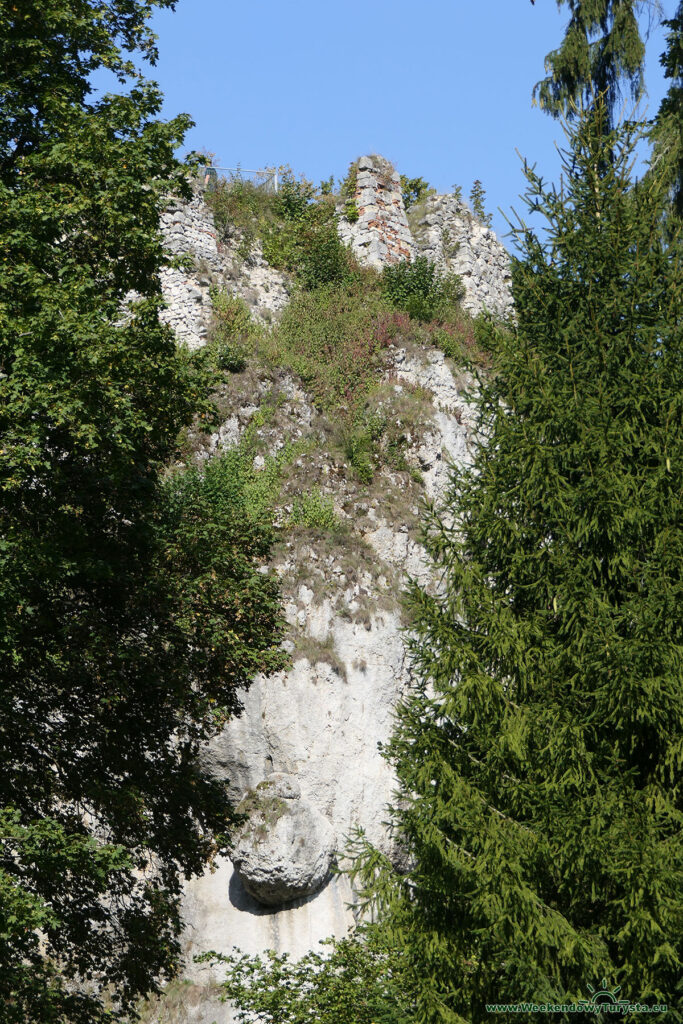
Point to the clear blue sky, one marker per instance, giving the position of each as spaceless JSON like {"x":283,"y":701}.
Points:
{"x":441,"y":87}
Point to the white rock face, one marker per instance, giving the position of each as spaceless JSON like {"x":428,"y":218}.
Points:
{"x":381,"y":234}
{"x":323,"y":723}
{"x":285,"y":848}
{"x":189,"y":229}
{"x":313,"y":724}
{"x":315,"y":732}
{"x":447,"y":443}
{"x":322,"y":727}
{"x":448,"y":234}
{"x":221,"y":914}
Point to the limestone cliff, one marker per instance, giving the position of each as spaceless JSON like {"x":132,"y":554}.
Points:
{"x":378,"y":232}
{"x":448,"y":234}
{"x":305,"y":754}
{"x":189,"y":229}
{"x":441,"y":227}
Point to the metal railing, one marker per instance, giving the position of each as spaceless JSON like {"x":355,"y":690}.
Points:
{"x":265,"y":178}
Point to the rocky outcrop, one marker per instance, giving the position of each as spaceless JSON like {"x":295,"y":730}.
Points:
{"x":305,"y":755}
{"x":284,"y":850}
{"x":377,"y":229}
{"x":448,"y":234}
{"x":188,"y":229}
{"x":318,"y":729}
{"x":373,"y":222}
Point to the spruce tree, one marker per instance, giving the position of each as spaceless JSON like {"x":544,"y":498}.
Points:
{"x":539,"y":753}
{"x":667,"y":129}
{"x":602,"y":49}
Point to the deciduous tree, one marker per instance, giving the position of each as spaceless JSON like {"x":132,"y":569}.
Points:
{"x":356,"y":980}
{"x":130,"y":609}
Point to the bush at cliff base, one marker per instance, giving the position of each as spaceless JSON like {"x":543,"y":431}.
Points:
{"x":355,"y":980}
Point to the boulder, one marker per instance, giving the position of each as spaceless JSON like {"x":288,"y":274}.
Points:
{"x":284,"y":849}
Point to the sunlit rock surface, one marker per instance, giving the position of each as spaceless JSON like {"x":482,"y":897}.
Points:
{"x":316,"y":731}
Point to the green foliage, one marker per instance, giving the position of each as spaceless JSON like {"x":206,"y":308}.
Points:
{"x":417,"y":288}
{"x":321,"y":257}
{"x":217,"y":537}
{"x":361,"y":443}
{"x":538,"y":756}
{"x":296,"y":226}
{"x":602,"y":48}
{"x":304,"y":238}
{"x":231,"y":356}
{"x":351,"y":211}
{"x":315,"y":511}
{"x":388,"y":421}
{"x":240,"y":204}
{"x":264,"y":488}
{"x":414,"y":190}
{"x":260,"y":488}
{"x":477,"y":201}
{"x":46,"y":83}
{"x":294,"y":197}
{"x":354,"y":981}
{"x":130,"y":609}
{"x":349,"y":189}
{"x":458,"y":338}
{"x":229,"y":332}
{"x":333,"y":339}
{"x":667,"y":129}
{"x":262,"y":483}
{"x":78,"y":865}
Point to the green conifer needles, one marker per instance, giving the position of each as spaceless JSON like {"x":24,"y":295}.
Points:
{"x":667,"y":128}
{"x":539,"y":756}
{"x":602,"y":48}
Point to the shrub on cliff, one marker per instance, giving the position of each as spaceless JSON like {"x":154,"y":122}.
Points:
{"x":296,"y":227}
{"x":337,"y":338}
{"x":303,"y":238}
{"x":539,"y":754}
{"x":127,"y":620}
{"x":417,"y":288}
{"x":239,"y":204}
{"x":333,"y":339}
{"x":414,"y":190}
{"x":229,"y":332}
